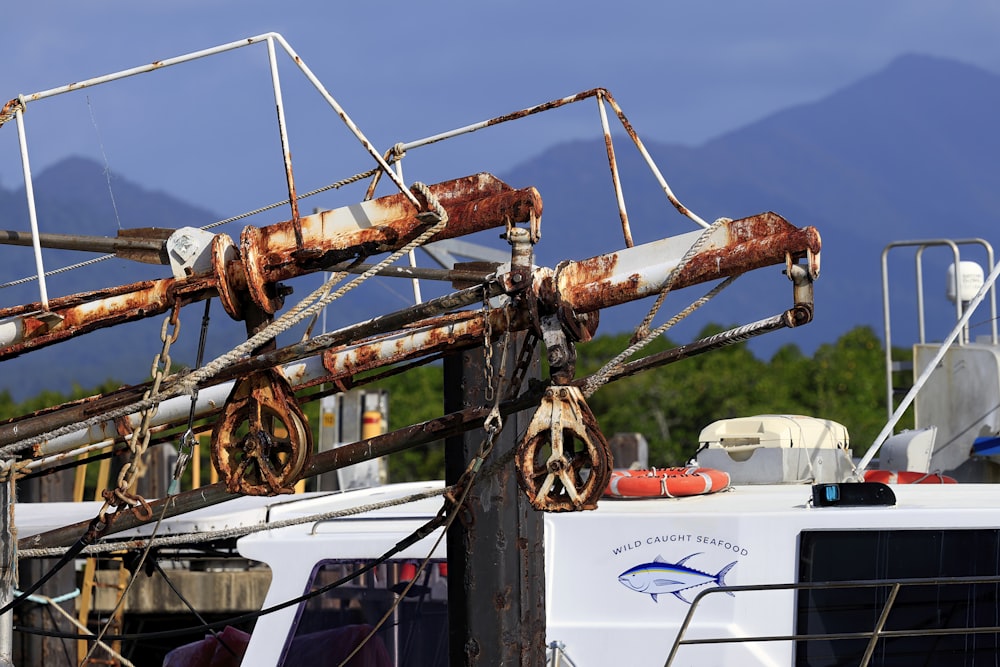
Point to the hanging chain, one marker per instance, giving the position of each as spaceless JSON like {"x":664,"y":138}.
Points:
{"x":493,"y":423}
{"x":188,"y":441}
{"x":138,"y":441}
{"x":488,"y":391}
{"x":524,"y":357}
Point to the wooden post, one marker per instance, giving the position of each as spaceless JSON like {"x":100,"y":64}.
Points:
{"x":32,"y":649}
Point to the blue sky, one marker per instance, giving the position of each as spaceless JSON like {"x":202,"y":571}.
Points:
{"x":683,"y":71}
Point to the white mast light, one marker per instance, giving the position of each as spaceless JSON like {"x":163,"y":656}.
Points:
{"x":970,"y":279}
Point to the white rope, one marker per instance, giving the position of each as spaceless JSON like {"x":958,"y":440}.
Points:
{"x":600,"y":378}
{"x":669,"y":284}
{"x":317,"y":300}
{"x":642,"y":336}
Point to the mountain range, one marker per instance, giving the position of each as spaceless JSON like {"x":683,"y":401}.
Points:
{"x":909,"y":152}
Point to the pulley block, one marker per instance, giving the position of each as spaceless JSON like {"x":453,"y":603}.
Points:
{"x":563,"y":462}
{"x":261,"y":443}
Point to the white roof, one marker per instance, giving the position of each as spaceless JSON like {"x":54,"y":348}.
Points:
{"x":946,"y":505}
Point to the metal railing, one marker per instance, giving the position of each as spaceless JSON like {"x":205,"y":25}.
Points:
{"x":877,"y":632}
{"x":963,"y":316}
{"x":921,"y":246}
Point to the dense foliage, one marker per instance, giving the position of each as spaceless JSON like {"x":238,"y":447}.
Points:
{"x":843,"y":381}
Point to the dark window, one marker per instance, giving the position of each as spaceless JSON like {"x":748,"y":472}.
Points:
{"x":331,"y":625}
{"x":833,"y":556}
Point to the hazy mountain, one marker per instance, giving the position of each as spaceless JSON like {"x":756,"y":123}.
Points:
{"x":72,"y":197}
{"x":907,"y":153}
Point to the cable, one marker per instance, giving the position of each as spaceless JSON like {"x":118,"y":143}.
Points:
{"x":85,"y":540}
{"x":95,"y":260}
{"x":411,"y":539}
{"x":194,"y":611}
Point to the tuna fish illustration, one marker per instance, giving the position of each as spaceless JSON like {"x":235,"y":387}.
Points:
{"x":661,"y":577}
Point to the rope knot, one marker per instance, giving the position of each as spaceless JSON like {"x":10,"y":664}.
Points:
{"x":9,"y":109}
{"x":433,"y":211}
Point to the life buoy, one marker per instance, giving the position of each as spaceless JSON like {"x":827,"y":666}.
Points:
{"x":907,"y":477}
{"x":665,"y":482}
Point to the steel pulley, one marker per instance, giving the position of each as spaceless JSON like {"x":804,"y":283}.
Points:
{"x":261,"y":443}
{"x":563,"y":462}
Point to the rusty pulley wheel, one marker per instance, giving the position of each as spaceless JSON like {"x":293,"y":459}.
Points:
{"x":261,"y":443}
{"x":563,"y":462}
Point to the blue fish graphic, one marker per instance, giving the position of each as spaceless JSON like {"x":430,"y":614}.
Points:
{"x":661,"y":577}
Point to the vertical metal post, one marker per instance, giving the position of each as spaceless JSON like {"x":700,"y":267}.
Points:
{"x":8,"y":568}
{"x":496,"y":592}
{"x":283,"y":132}
{"x":329,"y":437}
{"x":29,"y":192}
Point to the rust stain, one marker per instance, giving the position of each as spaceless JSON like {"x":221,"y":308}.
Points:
{"x":594,"y":269}
{"x":501,"y":599}
{"x":755,"y":242}
{"x":286,"y":249}
{"x":123,"y":426}
{"x":453,"y":332}
{"x":554,"y":104}
{"x":89,"y":311}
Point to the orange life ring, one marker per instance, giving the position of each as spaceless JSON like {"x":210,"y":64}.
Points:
{"x":907,"y":477}
{"x":665,"y":482}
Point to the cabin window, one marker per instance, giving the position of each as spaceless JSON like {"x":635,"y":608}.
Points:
{"x":924,"y":611}
{"x":329,"y":626}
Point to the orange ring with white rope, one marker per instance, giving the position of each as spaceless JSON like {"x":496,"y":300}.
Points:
{"x":665,"y":482}
{"x":907,"y":477}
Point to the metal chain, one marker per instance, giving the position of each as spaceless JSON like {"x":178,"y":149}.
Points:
{"x":188,"y":441}
{"x":138,"y":441}
{"x":524,"y":357}
{"x":488,"y":392}
{"x":493,"y":424}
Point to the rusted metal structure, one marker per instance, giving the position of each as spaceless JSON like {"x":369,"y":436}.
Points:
{"x":261,"y":441}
